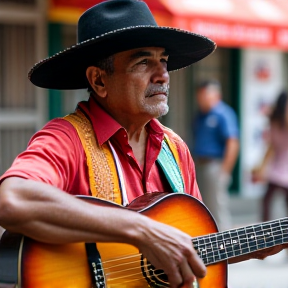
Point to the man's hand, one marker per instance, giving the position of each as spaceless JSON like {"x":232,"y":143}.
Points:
{"x":171,"y":250}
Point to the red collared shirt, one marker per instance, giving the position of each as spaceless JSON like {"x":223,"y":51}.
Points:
{"x":55,"y":156}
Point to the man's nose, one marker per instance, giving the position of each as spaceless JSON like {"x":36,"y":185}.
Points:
{"x":160,"y":74}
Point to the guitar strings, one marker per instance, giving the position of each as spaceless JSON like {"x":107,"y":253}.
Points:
{"x":131,"y":275}
{"x":118,"y":265}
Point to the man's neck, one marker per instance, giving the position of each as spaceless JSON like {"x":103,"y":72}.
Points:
{"x":138,"y":140}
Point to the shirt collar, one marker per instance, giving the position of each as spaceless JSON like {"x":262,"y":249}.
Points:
{"x":105,"y":126}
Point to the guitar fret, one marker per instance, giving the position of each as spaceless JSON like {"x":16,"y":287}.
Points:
{"x":229,"y":244}
{"x":220,"y":246}
{"x":211,"y":254}
{"x":251,"y":238}
{"x":198,"y":245}
{"x":274,"y":240}
{"x":270,"y":240}
{"x":279,"y":235}
{"x":284,"y":231}
{"x":243,"y":247}
{"x":209,"y":239}
{"x":260,"y":236}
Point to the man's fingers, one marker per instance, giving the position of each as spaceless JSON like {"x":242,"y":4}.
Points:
{"x":184,"y":275}
{"x":187,"y":275}
{"x":199,"y":268}
{"x":175,"y":277}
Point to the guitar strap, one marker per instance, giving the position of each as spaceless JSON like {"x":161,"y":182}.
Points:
{"x":170,"y":167}
{"x":104,"y":167}
{"x":103,"y":175}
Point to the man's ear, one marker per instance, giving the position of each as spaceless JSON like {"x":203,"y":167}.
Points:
{"x":95,"y":78}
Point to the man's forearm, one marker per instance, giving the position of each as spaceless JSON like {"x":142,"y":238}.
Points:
{"x":47,"y":214}
{"x":230,"y":155}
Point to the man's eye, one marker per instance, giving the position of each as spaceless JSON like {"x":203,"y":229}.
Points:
{"x":144,"y":61}
{"x":164,"y":60}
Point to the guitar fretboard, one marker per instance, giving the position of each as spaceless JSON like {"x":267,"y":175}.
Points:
{"x":220,"y":246}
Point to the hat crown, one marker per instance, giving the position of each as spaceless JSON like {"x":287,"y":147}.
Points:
{"x":113,"y":15}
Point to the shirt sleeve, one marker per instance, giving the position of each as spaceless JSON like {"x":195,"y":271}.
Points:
{"x":51,"y":156}
{"x":229,"y":124}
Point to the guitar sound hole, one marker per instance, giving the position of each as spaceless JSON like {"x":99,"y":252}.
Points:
{"x":154,"y":277}
{"x":157,"y":277}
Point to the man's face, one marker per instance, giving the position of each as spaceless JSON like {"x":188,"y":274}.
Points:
{"x":207,"y":97}
{"x":139,"y":85}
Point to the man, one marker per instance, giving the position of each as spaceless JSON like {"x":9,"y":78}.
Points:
{"x":123,"y":58}
{"x":215,"y":150}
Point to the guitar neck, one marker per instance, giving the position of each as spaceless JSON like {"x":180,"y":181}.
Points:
{"x":221,"y":246}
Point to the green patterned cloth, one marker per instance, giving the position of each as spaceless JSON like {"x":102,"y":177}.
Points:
{"x":170,"y":168}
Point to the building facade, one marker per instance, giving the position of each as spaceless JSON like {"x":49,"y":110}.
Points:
{"x":249,"y":45}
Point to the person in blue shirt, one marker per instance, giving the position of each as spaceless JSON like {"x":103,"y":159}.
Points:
{"x":215,"y":149}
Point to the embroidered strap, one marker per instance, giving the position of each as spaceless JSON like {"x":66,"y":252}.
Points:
{"x":170,"y":167}
{"x":103,"y":176}
{"x":103,"y":172}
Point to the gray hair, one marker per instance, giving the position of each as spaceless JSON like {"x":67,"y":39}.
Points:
{"x":106,"y":64}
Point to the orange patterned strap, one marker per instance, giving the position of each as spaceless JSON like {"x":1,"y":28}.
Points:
{"x":103,"y":176}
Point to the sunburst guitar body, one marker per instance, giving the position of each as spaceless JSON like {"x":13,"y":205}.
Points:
{"x":27,"y":263}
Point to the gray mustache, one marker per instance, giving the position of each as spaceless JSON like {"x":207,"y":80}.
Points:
{"x":155,"y":89}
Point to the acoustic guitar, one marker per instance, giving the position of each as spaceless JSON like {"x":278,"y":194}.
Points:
{"x":27,"y":263}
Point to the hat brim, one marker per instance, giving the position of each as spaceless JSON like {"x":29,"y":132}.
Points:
{"x":67,"y":69}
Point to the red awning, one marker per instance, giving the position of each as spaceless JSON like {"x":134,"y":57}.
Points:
{"x":234,"y":23}
{"x":69,"y":11}
{"x":230,"y":23}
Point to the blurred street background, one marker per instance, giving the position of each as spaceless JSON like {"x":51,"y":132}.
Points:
{"x":250,"y":62}
{"x":271,"y":272}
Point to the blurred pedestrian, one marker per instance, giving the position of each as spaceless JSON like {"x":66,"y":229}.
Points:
{"x":215,"y":149}
{"x":274,"y":166}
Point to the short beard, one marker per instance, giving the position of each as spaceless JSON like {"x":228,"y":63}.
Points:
{"x":156,"y":88}
{"x":157,"y":110}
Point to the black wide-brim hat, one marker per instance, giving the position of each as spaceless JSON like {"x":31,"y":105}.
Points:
{"x":114,"y":26}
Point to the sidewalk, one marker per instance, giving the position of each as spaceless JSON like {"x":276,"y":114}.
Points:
{"x":271,"y":272}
